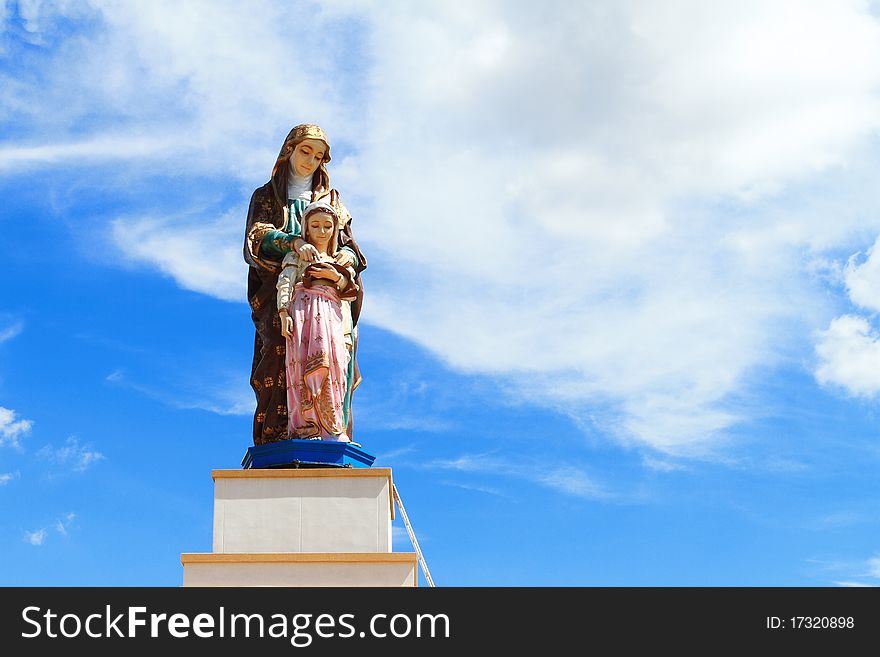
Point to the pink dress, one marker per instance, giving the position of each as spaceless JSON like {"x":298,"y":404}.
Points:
{"x":317,"y":363}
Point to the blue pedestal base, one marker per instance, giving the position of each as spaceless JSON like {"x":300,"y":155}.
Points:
{"x":306,"y":454}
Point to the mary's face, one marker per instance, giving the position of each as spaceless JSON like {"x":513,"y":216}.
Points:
{"x":307,"y":156}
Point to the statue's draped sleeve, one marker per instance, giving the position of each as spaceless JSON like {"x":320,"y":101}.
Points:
{"x":262,"y":221}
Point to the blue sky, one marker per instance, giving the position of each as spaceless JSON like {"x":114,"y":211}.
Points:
{"x":620,"y":324}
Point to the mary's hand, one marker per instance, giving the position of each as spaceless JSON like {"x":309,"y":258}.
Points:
{"x":345,"y":258}
{"x":307,"y":252}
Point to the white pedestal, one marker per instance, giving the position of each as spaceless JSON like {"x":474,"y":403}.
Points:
{"x":300,"y":569}
{"x":305,"y":510}
{"x":302,"y":527}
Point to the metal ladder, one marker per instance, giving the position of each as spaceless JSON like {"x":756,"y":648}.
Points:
{"x":412,"y":535}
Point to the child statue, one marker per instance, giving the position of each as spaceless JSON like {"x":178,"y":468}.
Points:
{"x":314,"y":295}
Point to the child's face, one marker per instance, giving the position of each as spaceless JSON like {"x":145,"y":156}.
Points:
{"x":319,"y":227}
{"x":307,"y":156}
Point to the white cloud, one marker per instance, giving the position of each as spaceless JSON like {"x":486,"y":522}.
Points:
{"x":11,"y":331}
{"x":589,"y":203}
{"x":570,"y":480}
{"x":63,"y":525}
{"x":203,"y":257}
{"x":72,"y":456}
{"x":36,"y":537}
{"x":848,"y":351}
{"x":386,"y":457}
{"x":11,"y":428}
{"x":852,"y":584}
{"x":385,"y":416}
{"x":236,"y":400}
{"x":8,"y":476}
{"x":849,"y":356}
{"x":98,"y":149}
{"x":399,"y":538}
{"x":37,"y":15}
{"x":661,"y":465}
{"x":192,"y":85}
{"x":591,"y":220}
{"x":863,"y":574}
{"x":863,"y":279}
{"x":226,"y":395}
{"x":564,"y":479}
{"x":489,"y":490}
{"x":838,"y":520}
{"x":116,"y":376}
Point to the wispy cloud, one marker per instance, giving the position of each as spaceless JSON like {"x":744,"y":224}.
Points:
{"x":848,"y":351}
{"x":11,"y":331}
{"x":72,"y":456}
{"x":12,"y":428}
{"x":849,"y":356}
{"x":234,"y":397}
{"x":409,"y":403}
{"x":854,"y":574}
{"x":849,"y":584}
{"x":572,"y":481}
{"x":395,"y":453}
{"x":201,"y":256}
{"x":379,"y":421}
{"x":101,"y":148}
{"x":662,"y":465}
{"x":61,"y":526}
{"x":144,"y":87}
{"x":399,"y":537}
{"x":401,"y":541}
{"x":489,"y":490}
{"x":564,"y":479}
{"x":862,"y":278}
{"x":8,"y":476}
{"x":778,"y":464}
{"x":838,"y":520}
{"x":672,"y":296}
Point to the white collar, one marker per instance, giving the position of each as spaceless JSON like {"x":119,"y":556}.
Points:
{"x":298,"y":185}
